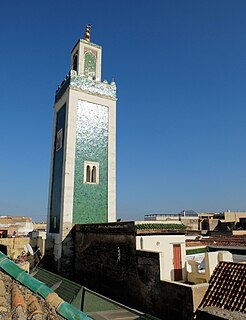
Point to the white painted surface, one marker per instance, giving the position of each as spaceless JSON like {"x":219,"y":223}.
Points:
{"x":163,"y":244}
{"x":211,"y":259}
{"x":194,"y":257}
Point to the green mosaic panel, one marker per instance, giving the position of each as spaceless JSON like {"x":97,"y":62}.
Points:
{"x":90,"y":203}
{"x":90,"y":64}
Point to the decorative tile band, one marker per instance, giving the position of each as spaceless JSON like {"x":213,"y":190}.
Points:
{"x":95,"y":87}
{"x":86,"y":84}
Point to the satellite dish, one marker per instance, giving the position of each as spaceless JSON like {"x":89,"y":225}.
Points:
{"x":25,"y":248}
{"x":30,"y":249}
{"x":202,"y":265}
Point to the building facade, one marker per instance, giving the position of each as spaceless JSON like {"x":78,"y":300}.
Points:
{"x":83,"y":162}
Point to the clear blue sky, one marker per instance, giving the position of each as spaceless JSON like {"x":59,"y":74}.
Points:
{"x":180,"y":69}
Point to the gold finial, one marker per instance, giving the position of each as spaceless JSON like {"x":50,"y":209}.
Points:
{"x":87,"y":33}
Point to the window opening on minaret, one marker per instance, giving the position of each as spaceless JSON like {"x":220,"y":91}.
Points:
{"x":75,"y":62}
{"x":88,"y":173}
{"x":91,"y":172}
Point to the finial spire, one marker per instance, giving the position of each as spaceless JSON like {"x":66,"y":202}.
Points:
{"x":87,"y":33}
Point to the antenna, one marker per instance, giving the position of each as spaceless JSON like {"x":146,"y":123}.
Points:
{"x":30,"y":249}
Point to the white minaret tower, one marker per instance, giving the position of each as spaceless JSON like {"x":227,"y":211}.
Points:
{"x":83,"y":162}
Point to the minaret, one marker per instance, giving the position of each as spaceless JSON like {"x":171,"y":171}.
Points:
{"x":83,"y":163}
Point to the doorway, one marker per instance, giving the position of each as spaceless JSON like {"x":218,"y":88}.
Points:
{"x":177,"y":262}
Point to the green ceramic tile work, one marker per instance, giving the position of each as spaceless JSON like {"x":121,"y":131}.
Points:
{"x":90,"y":65}
{"x":90,"y":204}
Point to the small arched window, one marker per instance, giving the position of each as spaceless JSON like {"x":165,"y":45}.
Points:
{"x":91,"y":172}
{"x":75,"y":62}
{"x":88,"y":173}
{"x":94,"y":174}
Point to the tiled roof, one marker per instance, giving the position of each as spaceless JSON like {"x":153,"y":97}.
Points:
{"x":153,"y":226}
{"x":227,"y":287}
{"x":19,"y":291}
{"x":18,"y":302}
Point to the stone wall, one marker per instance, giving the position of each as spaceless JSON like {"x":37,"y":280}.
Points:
{"x":106,"y":261}
{"x":15,"y":246}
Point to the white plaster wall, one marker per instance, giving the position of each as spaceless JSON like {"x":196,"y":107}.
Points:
{"x":59,"y":104}
{"x":69,"y":158}
{"x":164,"y":245}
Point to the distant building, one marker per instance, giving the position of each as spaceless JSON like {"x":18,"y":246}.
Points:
{"x":163,"y":216}
{"x":206,"y":221}
{"x":223,"y":221}
{"x":14,"y":234}
{"x":38,"y":236}
{"x":39,"y":230}
{"x":187,"y":217}
{"x":15,"y":226}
